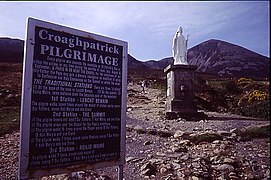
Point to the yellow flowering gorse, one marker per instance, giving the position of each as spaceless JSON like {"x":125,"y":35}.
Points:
{"x":253,"y":96}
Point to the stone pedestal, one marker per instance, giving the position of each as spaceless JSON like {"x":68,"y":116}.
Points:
{"x":180,"y":101}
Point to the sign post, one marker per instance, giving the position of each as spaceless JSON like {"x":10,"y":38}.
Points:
{"x":73,"y":101}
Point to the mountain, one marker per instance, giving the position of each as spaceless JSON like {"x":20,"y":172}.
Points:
{"x":212,"y":57}
{"x":162,"y":64}
{"x":222,"y":58}
{"x":11,"y":50}
{"x":135,"y":64}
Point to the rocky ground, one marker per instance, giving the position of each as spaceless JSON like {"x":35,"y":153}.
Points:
{"x":157,"y":148}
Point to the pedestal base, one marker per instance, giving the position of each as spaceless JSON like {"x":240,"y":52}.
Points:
{"x":185,"y":105}
{"x":181,"y":101}
{"x":189,"y":116}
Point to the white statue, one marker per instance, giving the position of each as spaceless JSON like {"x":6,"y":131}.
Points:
{"x":179,"y":47}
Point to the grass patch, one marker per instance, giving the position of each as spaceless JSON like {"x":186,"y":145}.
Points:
{"x":140,"y":130}
{"x":161,"y":133}
{"x":152,"y":131}
{"x":164,"y":134}
{"x":9,"y":120}
{"x":206,"y":137}
{"x":255,"y":132}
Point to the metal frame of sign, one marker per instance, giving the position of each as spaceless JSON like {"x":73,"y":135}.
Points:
{"x":24,"y":171}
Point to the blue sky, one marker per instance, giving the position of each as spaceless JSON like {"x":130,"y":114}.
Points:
{"x":149,"y":26}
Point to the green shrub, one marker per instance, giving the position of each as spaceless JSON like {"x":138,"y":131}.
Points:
{"x":244,"y":80}
{"x":255,"y":104}
{"x":252,"y":96}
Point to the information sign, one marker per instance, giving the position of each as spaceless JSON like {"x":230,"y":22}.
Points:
{"x":73,"y":101}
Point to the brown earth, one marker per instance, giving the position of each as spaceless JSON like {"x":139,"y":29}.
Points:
{"x":157,"y":148}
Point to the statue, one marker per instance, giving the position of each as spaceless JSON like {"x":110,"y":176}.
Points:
{"x":179,"y":47}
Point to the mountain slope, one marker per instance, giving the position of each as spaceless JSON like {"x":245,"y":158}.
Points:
{"x":223,"y":58}
{"x":135,"y":64}
{"x":11,"y":50}
{"x":162,"y":64}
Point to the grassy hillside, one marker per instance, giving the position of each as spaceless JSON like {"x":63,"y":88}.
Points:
{"x":10,"y":96}
{"x":242,"y":96}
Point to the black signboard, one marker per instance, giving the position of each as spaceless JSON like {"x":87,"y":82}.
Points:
{"x":74,"y":109}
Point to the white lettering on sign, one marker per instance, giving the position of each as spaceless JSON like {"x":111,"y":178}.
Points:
{"x":75,"y":41}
